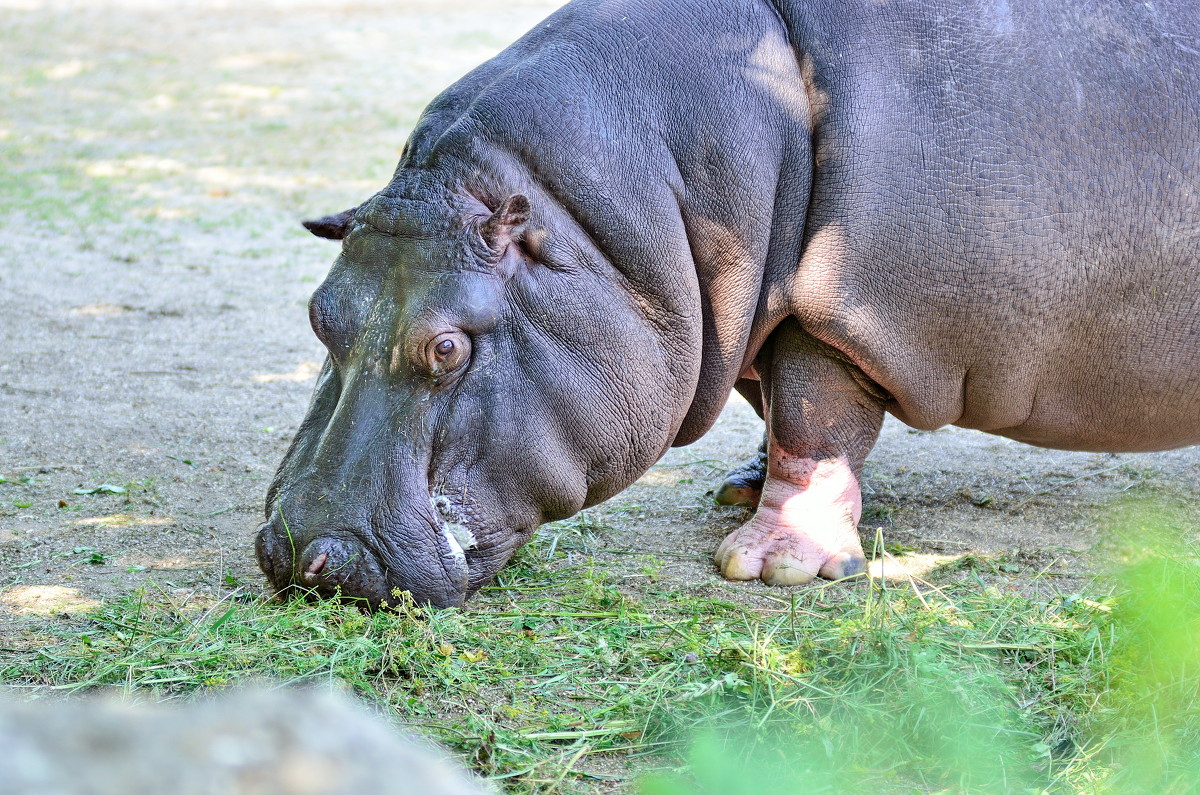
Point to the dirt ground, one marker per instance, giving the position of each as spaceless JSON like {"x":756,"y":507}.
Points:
{"x":154,"y":347}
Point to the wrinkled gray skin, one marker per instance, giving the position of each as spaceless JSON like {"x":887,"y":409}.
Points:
{"x":980,"y":214}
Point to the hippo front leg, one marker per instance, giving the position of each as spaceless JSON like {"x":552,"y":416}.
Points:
{"x":821,"y":423}
{"x":743,"y":484}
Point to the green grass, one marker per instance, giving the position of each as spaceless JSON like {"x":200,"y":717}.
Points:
{"x":561,"y":677}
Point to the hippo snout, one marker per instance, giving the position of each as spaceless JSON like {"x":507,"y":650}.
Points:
{"x":336,"y":563}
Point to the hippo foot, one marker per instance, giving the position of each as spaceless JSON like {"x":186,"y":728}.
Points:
{"x":801,"y":530}
{"x":761,"y":550}
{"x":743,"y":485}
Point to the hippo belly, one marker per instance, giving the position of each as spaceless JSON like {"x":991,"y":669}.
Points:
{"x":1007,"y":233}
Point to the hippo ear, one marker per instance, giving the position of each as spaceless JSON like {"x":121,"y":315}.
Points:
{"x":507,"y":223}
{"x":332,"y":227}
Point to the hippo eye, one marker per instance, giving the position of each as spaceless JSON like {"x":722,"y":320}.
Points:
{"x":448,"y":352}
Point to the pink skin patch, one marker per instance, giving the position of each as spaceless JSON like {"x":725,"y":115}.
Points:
{"x":805,"y":526}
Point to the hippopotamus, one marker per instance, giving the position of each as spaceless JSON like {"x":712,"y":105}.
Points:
{"x":982,"y":213}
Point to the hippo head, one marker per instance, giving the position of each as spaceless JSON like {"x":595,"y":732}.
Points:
{"x":485,"y":375}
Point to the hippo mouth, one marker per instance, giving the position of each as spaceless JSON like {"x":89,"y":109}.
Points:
{"x":435,"y":573}
{"x":479,"y":562}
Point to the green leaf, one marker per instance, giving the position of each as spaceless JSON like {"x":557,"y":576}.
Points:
{"x":103,"y":488}
{"x":224,"y":617}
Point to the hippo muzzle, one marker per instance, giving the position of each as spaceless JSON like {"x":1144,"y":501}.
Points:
{"x":358,"y":564}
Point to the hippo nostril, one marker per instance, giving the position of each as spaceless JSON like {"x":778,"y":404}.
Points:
{"x":328,"y":562}
{"x":314,"y":568}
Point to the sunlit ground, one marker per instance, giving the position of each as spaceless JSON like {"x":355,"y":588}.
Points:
{"x":45,"y":600}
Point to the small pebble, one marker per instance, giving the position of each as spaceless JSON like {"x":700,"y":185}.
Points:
{"x":691,"y":657}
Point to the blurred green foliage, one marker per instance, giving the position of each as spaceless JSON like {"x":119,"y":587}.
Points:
{"x":962,"y":725}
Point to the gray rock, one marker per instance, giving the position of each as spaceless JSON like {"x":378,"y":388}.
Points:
{"x":283,"y":742}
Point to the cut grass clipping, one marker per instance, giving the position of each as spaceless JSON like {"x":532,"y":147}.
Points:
{"x":565,"y":677}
